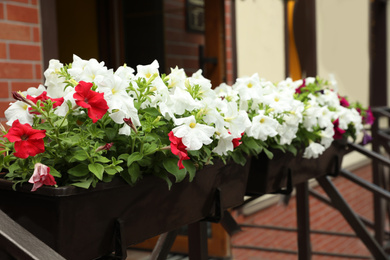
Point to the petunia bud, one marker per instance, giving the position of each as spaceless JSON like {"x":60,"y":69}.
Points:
{"x":19,"y":96}
{"x":105,"y":147}
{"x":130,"y":123}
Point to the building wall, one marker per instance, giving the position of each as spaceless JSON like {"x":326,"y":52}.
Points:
{"x":182,"y":46}
{"x":260,"y":39}
{"x":20,"y":48}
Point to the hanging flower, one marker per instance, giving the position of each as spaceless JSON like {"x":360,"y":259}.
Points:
{"x":41,"y":176}
{"x":338,"y":132}
{"x":93,"y":101}
{"x":369,"y":118}
{"x":366,"y":138}
{"x":28,"y":141}
{"x":179,"y":149}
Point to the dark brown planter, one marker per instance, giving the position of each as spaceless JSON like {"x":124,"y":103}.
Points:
{"x":80,"y":224}
{"x":285,"y":170}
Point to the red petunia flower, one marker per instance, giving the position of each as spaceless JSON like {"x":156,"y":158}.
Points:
{"x":43,"y":97}
{"x":179,"y":149}
{"x":41,"y":176}
{"x":28,"y":141}
{"x":93,"y":101}
{"x":237,"y":141}
{"x":338,"y":132}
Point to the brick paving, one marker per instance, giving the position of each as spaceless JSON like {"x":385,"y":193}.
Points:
{"x":322,"y":217}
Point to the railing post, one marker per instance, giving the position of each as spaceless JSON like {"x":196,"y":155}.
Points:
{"x":303,"y":221}
{"x":378,"y":202}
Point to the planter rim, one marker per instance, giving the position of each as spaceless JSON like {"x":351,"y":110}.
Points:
{"x":69,"y":190}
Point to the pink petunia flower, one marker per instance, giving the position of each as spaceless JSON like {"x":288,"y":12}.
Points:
{"x":41,"y":176}
{"x":343,"y":101}
{"x":298,"y":90}
{"x":179,"y":149}
{"x":338,"y":132}
{"x":93,"y":101}
{"x":28,"y":141}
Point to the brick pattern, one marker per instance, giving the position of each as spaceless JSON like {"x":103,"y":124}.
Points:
{"x":181,"y":47}
{"x":322,"y":217}
{"x":20,"y":48}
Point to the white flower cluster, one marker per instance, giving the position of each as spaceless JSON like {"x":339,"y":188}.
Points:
{"x":200,"y":114}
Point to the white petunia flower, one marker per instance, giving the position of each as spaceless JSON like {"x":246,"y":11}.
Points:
{"x":313,"y":150}
{"x":147,"y":71}
{"x":193,"y":134}
{"x":225,"y":143}
{"x":18,"y":110}
{"x":263,"y":127}
{"x":183,"y":101}
{"x":327,"y":136}
{"x":236,"y":121}
{"x":88,"y":71}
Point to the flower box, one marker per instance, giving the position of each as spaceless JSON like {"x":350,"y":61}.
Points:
{"x":272,"y":176}
{"x":80,"y":224}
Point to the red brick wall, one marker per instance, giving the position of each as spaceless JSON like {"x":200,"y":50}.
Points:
{"x":181,"y":47}
{"x":20,"y":48}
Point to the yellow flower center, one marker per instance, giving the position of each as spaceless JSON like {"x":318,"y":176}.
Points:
{"x":250,"y":85}
{"x":276,"y":99}
{"x":192,"y":125}
{"x":147,"y":75}
{"x":25,"y":106}
{"x":262,"y":120}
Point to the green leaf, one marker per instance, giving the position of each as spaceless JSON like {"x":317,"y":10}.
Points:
{"x":124,"y":156}
{"x":252,"y":144}
{"x":97,"y":169}
{"x":61,"y":122}
{"x":79,"y":171}
{"x":79,"y":155}
{"x":190,"y":167}
{"x":102,"y":159}
{"x":239,"y":158}
{"x":134,"y":172}
{"x":152,"y":111}
{"x":171,"y":166}
{"x":83,"y":184}
{"x":54,"y":172}
{"x":164,"y":176}
{"x":136,"y":156}
{"x":269,"y":154}
{"x":149,"y":148}
{"x":110,"y":133}
{"x":112,"y":170}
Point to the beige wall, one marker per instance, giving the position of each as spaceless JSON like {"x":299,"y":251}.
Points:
{"x":260,"y":38}
{"x":342,"y":45}
{"x":342,"y":42}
